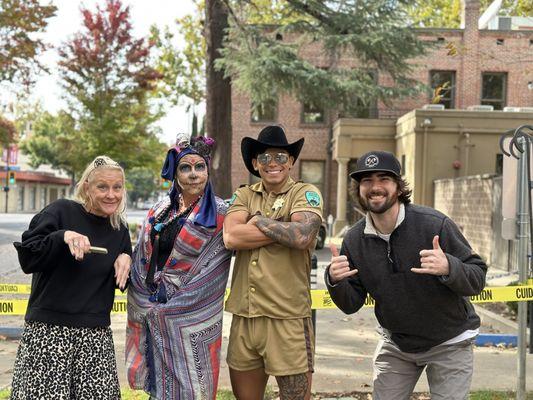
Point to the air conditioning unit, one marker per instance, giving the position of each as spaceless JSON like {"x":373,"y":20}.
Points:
{"x":526,"y":109}
{"x":480,"y":107}
{"x":433,"y":107}
{"x":511,"y":109}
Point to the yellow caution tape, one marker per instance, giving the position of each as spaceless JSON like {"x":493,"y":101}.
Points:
{"x":15,"y":288}
{"x":7,"y":288}
{"x":320,"y":299}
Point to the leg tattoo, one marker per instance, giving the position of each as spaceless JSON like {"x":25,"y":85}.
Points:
{"x":293,"y":387}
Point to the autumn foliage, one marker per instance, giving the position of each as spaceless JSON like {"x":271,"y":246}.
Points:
{"x":109,"y":81}
{"x":20,"y":23}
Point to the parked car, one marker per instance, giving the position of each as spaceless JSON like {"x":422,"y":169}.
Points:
{"x":321,"y":236}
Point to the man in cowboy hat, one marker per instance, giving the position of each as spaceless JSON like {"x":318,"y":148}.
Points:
{"x":273,"y":226}
{"x":419,"y":268}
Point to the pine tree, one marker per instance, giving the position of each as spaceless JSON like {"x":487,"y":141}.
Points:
{"x":267,"y":61}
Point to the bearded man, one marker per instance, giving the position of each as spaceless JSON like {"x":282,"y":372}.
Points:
{"x":419,"y":269}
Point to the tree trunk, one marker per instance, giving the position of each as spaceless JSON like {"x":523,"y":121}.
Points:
{"x":218,"y":99}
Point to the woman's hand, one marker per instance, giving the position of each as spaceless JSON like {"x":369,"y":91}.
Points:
{"x":122,"y":270}
{"x":78,"y":244}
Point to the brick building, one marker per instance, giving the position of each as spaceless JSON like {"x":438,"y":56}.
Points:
{"x":489,"y":67}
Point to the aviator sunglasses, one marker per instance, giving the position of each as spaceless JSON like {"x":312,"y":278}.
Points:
{"x":186,"y":168}
{"x":266,"y":158}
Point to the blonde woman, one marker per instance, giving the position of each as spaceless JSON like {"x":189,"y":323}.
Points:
{"x":66,"y":350}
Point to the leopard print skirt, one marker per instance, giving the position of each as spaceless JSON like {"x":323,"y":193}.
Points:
{"x":59,"y":362}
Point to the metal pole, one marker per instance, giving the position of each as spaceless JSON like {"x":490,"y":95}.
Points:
{"x":6,"y":188}
{"x":523,"y":237}
{"x":314,"y":270}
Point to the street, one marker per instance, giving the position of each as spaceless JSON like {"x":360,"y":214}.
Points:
{"x":344,"y":343}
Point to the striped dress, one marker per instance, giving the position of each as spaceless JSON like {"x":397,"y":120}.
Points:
{"x":173,"y":348}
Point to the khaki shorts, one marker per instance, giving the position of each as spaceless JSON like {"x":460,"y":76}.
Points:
{"x":280,"y":346}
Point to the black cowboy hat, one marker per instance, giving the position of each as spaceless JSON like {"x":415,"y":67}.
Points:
{"x":272,"y":136}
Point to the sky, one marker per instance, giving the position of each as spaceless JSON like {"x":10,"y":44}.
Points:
{"x":144,"y":13}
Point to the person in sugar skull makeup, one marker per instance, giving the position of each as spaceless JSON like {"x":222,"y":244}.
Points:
{"x":179,"y":275}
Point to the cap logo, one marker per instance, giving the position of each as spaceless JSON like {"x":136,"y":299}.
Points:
{"x":371,"y":161}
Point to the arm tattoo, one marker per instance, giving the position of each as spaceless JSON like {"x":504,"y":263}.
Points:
{"x":299,"y":233}
{"x":293,"y":387}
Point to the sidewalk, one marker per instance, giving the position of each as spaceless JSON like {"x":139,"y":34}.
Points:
{"x":344,"y":350}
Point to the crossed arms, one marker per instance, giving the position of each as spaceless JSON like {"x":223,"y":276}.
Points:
{"x":243,"y":233}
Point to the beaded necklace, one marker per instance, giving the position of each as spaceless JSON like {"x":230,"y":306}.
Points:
{"x":173,"y":213}
{"x":170,"y":214}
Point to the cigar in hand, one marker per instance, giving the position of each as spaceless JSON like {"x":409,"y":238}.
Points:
{"x":97,"y":250}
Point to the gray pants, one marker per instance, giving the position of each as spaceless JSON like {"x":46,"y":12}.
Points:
{"x":448,"y":368}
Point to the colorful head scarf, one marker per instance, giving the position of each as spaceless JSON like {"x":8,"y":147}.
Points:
{"x":201,"y":146}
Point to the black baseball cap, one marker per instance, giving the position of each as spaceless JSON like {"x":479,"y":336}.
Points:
{"x":376,"y":161}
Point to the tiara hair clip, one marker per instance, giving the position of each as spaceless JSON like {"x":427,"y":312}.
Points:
{"x":100,"y":161}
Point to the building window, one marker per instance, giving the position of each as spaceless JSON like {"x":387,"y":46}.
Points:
{"x":499,"y":163}
{"x":403,"y":164}
{"x":266,"y":112}
{"x":313,"y":172}
{"x":494,"y":89}
{"x":312,"y":114}
{"x":33,"y":198}
{"x":20,"y":198}
{"x":43,"y":197}
{"x":442,"y":88}
{"x":362,"y":111}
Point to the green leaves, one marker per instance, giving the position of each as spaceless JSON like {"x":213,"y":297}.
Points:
{"x":8,"y":132}
{"x":182,"y":70}
{"x":109,"y":81}
{"x":328,"y":54}
{"x":447,"y":14}
{"x":20,"y":21}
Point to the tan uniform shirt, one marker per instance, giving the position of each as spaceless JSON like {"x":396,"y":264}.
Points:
{"x":273,"y":280}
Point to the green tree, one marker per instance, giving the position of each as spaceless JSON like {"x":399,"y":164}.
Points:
{"x":244,"y":51}
{"x":8,"y":132}
{"x":447,"y":14}
{"x":54,"y":141}
{"x":142,"y":183}
{"x":109,"y":82}
{"x":20,"y":46}
{"x":183,"y":69}
{"x":265,"y":63}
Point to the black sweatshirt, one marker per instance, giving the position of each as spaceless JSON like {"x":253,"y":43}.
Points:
{"x":65,"y":291}
{"x":420,"y":311}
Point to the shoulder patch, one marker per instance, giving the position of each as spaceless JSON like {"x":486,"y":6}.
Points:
{"x":232,"y":199}
{"x":313,"y":198}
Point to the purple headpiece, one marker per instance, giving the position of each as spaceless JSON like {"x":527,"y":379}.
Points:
{"x":201,"y":146}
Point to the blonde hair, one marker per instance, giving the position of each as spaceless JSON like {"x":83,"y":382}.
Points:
{"x":81,"y":194}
